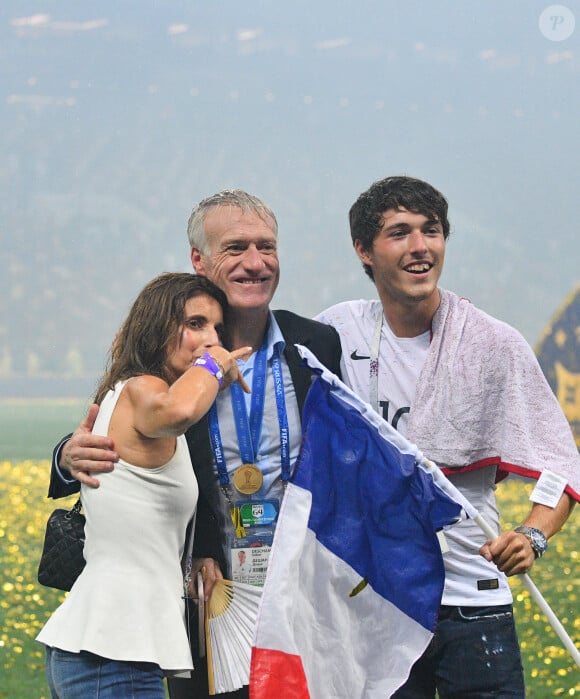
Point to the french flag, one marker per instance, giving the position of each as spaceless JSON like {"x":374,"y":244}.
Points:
{"x":356,"y":574}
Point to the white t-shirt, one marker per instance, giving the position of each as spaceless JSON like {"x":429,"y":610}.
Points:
{"x":470,"y":580}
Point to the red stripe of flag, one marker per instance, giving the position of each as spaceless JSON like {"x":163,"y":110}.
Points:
{"x":275,"y":674}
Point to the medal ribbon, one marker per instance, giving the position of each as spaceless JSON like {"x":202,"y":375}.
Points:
{"x":249,"y":431}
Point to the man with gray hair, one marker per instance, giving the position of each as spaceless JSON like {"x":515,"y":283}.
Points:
{"x":244,"y":450}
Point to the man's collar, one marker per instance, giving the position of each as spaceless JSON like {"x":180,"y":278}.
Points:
{"x":274,"y":336}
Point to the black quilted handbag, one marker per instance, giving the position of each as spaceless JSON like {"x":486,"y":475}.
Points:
{"x":62,"y":554}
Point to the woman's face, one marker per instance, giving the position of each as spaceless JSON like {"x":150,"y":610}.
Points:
{"x":201,"y":328}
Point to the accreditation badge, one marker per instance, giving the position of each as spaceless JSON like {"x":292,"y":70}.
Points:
{"x":251,"y":548}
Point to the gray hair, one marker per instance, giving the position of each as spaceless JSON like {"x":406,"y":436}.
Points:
{"x":228,"y":197}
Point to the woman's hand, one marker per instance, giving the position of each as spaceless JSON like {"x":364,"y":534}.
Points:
{"x":210,"y":571}
{"x":227,"y":361}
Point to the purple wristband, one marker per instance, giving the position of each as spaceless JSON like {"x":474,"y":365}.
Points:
{"x":207,"y":362}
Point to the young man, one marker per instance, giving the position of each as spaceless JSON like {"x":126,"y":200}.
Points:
{"x":467,"y":389}
{"x":244,"y":451}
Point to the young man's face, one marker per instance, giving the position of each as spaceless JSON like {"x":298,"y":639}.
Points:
{"x":242,"y":256}
{"x":406,"y":258}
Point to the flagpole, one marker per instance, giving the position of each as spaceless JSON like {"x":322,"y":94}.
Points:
{"x":527,"y":582}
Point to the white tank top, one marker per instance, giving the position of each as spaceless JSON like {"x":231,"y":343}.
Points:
{"x":127,"y":603}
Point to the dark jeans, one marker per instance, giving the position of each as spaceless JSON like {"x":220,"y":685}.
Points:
{"x":84,"y":675}
{"x":474,"y":654}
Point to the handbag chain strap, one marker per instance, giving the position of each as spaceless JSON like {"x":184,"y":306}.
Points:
{"x":75,"y":509}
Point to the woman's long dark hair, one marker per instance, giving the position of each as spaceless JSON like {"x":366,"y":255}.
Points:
{"x":152,"y":326}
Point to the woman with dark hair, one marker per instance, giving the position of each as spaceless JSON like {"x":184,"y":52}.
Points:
{"x":122,"y":628}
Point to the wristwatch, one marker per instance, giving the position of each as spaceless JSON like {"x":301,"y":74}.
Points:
{"x":537,"y":539}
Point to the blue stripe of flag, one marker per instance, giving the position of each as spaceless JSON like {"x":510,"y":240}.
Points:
{"x":371,"y":506}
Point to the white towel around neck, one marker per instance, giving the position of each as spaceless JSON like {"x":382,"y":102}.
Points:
{"x":482,"y":399}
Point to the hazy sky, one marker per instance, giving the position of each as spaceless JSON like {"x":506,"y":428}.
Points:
{"x":126,"y":113}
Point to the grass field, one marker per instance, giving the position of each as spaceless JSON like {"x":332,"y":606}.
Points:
{"x":30,"y":428}
{"x":25,"y":605}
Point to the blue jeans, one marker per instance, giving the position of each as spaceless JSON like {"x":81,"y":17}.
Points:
{"x":474,"y":654}
{"x":87,"y":676}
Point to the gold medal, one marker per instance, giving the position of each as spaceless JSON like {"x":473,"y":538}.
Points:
{"x":248,"y":479}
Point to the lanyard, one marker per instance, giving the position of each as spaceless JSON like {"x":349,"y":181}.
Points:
{"x":374,"y":364}
{"x":249,"y":430}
